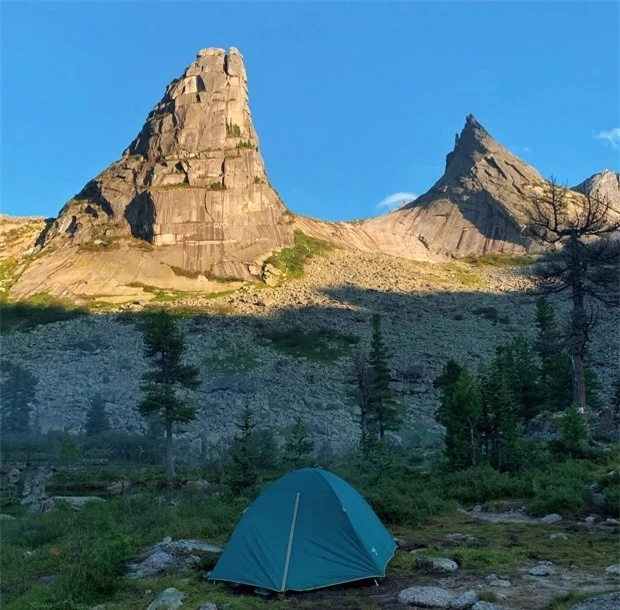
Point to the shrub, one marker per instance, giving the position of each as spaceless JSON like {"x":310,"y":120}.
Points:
{"x":482,"y":484}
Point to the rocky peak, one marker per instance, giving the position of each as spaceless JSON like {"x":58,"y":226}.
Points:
{"x":200,"y":111}
{"x":605,"y":184}
{"x":189,"y":193}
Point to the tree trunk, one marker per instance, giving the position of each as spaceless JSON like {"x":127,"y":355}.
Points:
{"x":473,"y":443}
{"x":578,"y":328}
{"x":169,"y":452}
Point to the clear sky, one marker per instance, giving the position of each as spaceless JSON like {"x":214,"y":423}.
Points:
{"x":352,"y":101}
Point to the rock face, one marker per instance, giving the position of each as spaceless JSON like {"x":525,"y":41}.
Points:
{"x":478,"y":206}
{"x":189,"y":198}
{"x":605,"y":184}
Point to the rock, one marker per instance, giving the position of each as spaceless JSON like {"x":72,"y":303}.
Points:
{"x":552,"y":518}
{"x":541,"y":569}
{"x":610,"y":601}
{"x":459,"y":539}
{"x":169,"y":555}
{"x":151,"y":566}
{"x":613,"y":569}
{"x":495,"y":581}
{"x":611,"y":521}
{"x":487,"y":606}
{"x":476,"y":509}
{"x":118,"y":487}
{"x":168,"y":599}
{"x":76,"y":503}
{"x":192,"y":185}
{"x":558,"y":536}
{"x":426,"y":597}
{"x":466,"y":600}
{"x":591,"y":519}
{"x":437,"y":564}
{"x":597,"y":499}
{"x":201,"y":484}
{"x":208,"y":606}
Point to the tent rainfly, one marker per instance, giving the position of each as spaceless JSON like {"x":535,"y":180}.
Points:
{"x":307,"y":530}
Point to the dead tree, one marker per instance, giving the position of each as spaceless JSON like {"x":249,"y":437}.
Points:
{"x":585,"y":263}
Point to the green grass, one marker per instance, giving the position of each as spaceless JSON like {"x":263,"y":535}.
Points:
{"x":236,"y":360}
{"x":38,"y":309}
{"x":161,"y":295}
{"x":290,"y":261}
{"x":324,"y":346}
{"x":499,"y":259}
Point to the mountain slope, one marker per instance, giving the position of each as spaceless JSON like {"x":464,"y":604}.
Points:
{"x":605,"y":184}
{"x":189,"y":199}
{"x":478,"y":206}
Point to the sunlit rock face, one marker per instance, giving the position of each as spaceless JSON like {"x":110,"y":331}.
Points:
{"x":190,"y":193}
{"x":478,"y":206}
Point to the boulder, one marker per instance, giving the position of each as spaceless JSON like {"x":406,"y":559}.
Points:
{"x":168,"y":599}
{"x":466,"y":600}
{"x":613,"y":569}
{"x":487,"y":606}
{"x":610,"y":601}
{"x":552,"y":518}
{"x":154,"y":564}
{"x":208,"y":606}
{"x":558,"y":536}
{"x":426,"y":597}
{"x":542,"y":568}
{"x":75,"y":503}
{"x":437,"y":564}
{"x":495,"y":581}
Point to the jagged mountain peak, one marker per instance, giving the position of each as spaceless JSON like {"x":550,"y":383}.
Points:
{"x":188,"y":199}
{"x":605,"y":184}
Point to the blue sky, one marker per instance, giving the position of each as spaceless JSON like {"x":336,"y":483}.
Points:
{"x":352,"y":101}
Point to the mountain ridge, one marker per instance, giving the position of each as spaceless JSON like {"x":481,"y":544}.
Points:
{"x":188,"y":206}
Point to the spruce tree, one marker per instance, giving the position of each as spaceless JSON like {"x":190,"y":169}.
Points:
{"x":574,"y":430}
{"x":360,"y":380}
{"x":240,"y":474}
{"x":384,"y":413}
{"x":461,"y":417}
{"x":299,"y":445}
{"x":18,"y":393}
{"x":97,"y":419}
{"x":516,"y":360}
{"x":445,"y":384}
{"x":164,"y":346}
{"x":501,"y":425}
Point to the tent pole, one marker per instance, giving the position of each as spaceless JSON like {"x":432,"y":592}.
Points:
{"x":290,"y":542}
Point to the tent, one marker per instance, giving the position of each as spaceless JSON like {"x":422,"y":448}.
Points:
{"x":309,"y":529}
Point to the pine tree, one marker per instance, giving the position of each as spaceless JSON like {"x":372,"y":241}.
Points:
{"x":556,"y":375}
{"x":384,"y":413}
{"x":97,"y":419}
{"x":299,"y":445}
{"x":164,"y":346}
{"x":461,"y":416}
{"x":574,"y":430}
{"x":18,"y":393}
{"x":516,"y":360}
{"x":240,"y":474}
{"x":360,"y":379}
{"x":445,"y":384}
{"x":501,"y":426}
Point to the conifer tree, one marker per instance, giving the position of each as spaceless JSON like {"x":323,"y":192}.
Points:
{"x":501,"y":424}
{"x":574,"y":430}
{"x":556,"y":377}
{"x":241,"y":474}
{"x":18,"y":393}
{"x":384,"y":413}
{"x":97,"y":419}
{"x":461,"y":417}
{"x":164,"y":346}
{"x":299,"y":445}
{"x":360,"y":379}
{"x":445,"y":384}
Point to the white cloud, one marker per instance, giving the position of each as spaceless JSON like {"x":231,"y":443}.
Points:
{"x":395,"y":200}
{"x":610,"y":137}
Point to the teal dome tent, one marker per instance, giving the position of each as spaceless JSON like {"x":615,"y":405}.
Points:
{"x":309,"y":529}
